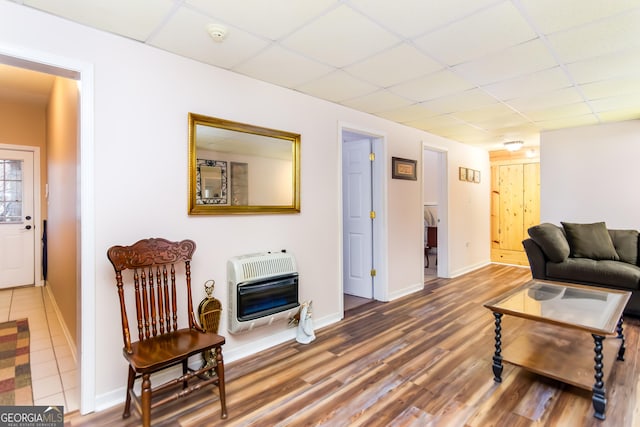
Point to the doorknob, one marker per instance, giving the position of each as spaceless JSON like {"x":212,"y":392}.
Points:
{"x":28,"y":217}
{"x":28,"y":227}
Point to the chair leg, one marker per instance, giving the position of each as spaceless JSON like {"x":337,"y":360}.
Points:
{"x":185,"y":367}
{"x":220,"y":373}
{"x":146,"y":400}
{"x":127,"y":404}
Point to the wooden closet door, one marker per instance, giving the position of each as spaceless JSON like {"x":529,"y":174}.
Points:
{"x":511,"y":226}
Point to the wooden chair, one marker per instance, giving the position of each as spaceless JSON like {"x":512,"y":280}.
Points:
{"x":154,"y":265}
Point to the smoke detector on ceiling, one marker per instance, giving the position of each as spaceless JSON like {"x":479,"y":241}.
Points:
{"x":217,"y":32}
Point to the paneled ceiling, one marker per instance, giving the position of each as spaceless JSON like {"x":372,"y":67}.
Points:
{"x":481,"y":72}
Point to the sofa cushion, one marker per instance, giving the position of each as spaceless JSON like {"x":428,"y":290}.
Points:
{"x":551,"y":240}
{"x":626,"y":244}
{"x":609,"y":273}
{"x":590,"y":241}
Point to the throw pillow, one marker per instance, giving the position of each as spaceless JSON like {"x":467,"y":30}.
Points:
{"x":551,"y":240}
{"x":626,"y":244}
{"x":590,"y":241}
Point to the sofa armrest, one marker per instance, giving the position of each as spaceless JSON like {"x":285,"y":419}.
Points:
{"x":537,"y":259}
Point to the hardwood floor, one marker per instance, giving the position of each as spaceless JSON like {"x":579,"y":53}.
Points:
{"x":423,"y":360}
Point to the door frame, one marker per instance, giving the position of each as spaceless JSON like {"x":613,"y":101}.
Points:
{"x":83,"y":73}
{"x":37,"y":208}
{"x":379,"y":201}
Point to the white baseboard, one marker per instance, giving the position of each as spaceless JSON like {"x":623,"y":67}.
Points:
{"x":116,"y":397}
{"x":65,"y":330}
{"x":406,"y":291}
{"x":469,"y":269}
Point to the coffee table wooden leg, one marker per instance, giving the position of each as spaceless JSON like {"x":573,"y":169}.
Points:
{"x":497,"y":356}
{"x":599,"y":398}
{"x":620,"y":337}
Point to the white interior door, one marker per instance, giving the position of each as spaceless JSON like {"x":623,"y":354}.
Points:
{"x":17,"y":247}
{"x":357,"y":206}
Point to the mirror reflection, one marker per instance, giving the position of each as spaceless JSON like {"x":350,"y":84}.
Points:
{"x":240,"y":168}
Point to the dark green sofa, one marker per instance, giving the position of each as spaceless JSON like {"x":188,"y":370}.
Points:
{"x":587,"y":254}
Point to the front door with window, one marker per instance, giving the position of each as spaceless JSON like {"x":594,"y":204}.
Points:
{"x":17,"y":251}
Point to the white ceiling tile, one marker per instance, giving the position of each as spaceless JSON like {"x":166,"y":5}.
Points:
{"x":553,"y":15}
{"x":603,"y":67}
{"x":382,"y":100}
{"x":484,"y":113}
{"x":341,"y":37}
{"x":618,"y":33}
{"x":515,"y":61}
{"x":440,"y":121}
{"x":611,"y":87}
{"x":559,"y":112}
{"x":615,"y":103}
{"x":546,"y":100}
{"x":567,"y":122}
{"x":510,"y":120}
{"x":336,"y":87}
{"x":272,"y":19}
{"x":389,"y":68}
{"x":480,"y":34}
{"x":186,"y":34}
{"x":414,"y":17}
{"x":467,"y":100}
{"x":407,"y":114}
{"x":134,"y":19}
{"x":530,"y":84}
{"x":282,"y":67}
{"x":632,"y":113}
{"x":432,"y":86}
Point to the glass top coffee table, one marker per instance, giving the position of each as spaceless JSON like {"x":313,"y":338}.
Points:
{"x":554,"y":345}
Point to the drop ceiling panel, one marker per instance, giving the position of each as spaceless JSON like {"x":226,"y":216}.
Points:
{"x":615,"y":103}
{"x":567,"y":122}
{"x":546,"y":100}
{"x":515,"y":61}
{"x":609,"y":35}
{"x":282,"y":67}
{"x":411,"y":18}
{"x":441,"y":121}
{"x":560,"y":112}
{"x":340,"y":37}
{"x":509,"y":120}
{"x":611,"y":87}
{"x":571,"y":13}
{"x":467,"y":100}
{"x":390,"y":68}
{"x":603,"y":67}
{"x":272,"y":19}
{"x":337,"y":86}
{"x":485,"y":113}
{"x":133,"y":19}
{"x":382,"y":100}
{"x":186,"y":34}
{"x":632,"y":113}
{"x":529,"y":85}
{"x":477,"y":35}
{"x":407,"y":114}
{"x":432,"y":86}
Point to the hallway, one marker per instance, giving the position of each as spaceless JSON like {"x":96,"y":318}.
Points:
{"x":54,"y":373}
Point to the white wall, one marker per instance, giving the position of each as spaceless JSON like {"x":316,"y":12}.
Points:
{"x":142,"y":97}
{"x":589,"y":174}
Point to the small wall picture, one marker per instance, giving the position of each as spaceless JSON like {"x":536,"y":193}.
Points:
{"x":476,"y":177}
{"x":404,"y":168}
{"x":470,"y":174}
{"x":462,"y":173}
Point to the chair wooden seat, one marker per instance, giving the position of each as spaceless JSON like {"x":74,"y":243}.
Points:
{"x":168,"y":349}
{"x":148,"y":270}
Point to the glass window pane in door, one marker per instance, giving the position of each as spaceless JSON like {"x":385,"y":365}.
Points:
{"x":10,"y":191}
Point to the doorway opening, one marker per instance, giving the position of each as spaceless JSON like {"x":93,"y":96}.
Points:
{"x":363,"y":218}
{"x":434,"y":204}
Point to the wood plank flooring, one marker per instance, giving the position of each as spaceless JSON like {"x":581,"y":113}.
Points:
{"x":423,"y":360}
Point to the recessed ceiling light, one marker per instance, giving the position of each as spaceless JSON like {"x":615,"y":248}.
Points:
{"x":217,"y":32}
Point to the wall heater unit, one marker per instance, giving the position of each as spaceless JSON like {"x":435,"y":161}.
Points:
{"x":263,"y":288}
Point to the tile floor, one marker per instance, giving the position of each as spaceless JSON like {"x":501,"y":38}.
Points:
{"x":54,"y":373}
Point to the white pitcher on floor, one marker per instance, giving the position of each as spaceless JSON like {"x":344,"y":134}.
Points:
{"x":305,"y":332}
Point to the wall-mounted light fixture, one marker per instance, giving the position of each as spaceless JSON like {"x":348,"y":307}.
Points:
{"x":513,"y":145}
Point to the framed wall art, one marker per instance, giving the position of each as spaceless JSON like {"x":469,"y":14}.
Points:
{"x":404,"y":169}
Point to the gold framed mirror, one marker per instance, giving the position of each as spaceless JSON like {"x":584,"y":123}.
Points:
{"x":237,"y":168}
